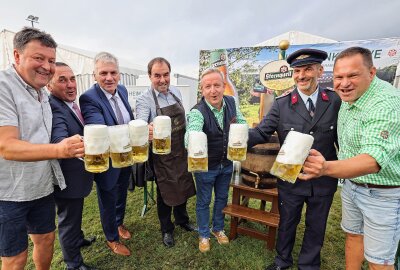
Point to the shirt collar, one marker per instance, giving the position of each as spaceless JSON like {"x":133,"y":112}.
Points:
{"x":314,"y":96}
{"x":215,"y":109}
{"x":108,"y":95}
{"x":28,"y":87}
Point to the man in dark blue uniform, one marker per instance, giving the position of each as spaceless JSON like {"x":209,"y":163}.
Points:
{"x":311,"y":110}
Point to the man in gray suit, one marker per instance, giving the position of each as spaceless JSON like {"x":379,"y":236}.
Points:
{"x":68,"y":121}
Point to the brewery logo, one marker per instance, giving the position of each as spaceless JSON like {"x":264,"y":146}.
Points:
{"x":198,"y":154}
{"x":392,"y":52}
{"x":222,"y":57}
{"x":385,"y":134}
{"x":277,"y":76}
{"x":237,"y":144}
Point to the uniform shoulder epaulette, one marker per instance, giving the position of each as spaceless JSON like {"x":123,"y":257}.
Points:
{"x":282,"y":96}
{"x":329,"y":89}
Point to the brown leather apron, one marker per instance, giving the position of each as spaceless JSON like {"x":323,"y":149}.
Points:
{"x":173,"y":179}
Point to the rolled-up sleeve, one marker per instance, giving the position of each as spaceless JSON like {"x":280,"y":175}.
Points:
{"x":195,"y":123}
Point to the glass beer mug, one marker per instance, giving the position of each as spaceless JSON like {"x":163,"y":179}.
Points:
{"x":291,"y":156}
{"x":197,"y":152}
{"x":139,"y":134}
{"x":96,"y":148}
{"x":237,"y":144}
{"x":162,"y":135}
{"x":120,"y":146}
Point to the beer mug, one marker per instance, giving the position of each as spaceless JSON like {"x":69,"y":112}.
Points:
{"x":139,"y":134}
{"x":97,"y":147}
{"x":292,"y":155}
{"x":237,"y":144}
{"x":120,"y":146}
{"x":162,"y":135}
{"x":197,"y":152}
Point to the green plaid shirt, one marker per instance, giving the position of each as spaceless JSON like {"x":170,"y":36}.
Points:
{"x":371,"y":125}
{"x":196,"y":120}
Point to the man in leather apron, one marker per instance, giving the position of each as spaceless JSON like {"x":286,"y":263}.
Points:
{"x":174,"y":183}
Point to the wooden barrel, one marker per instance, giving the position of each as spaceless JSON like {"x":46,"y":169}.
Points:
{"x":258,"y":163}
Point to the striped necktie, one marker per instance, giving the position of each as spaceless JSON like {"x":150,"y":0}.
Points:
{"x":78,"y":112}
{"x":118,"y":112}
{"x":311,"y":108}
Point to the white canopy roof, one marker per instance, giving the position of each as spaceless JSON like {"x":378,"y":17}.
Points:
{"x":295,"y":38}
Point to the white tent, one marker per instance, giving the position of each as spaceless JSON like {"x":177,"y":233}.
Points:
{"x":133,"y":76}
{"x":295,"y":38}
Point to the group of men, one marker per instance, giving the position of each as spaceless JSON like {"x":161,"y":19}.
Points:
{"x":41,"y":149}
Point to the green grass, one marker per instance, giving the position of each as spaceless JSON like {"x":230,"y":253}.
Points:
{"x":148,"y":251}
{"x":250,"y":112}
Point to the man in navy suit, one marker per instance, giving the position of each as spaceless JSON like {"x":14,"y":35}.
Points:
{"x":67,"y":121}
{"x":106,"y":103}
{"x":312,"y":110}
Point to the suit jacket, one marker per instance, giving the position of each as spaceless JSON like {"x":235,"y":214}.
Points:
{"x":65,"y":124}
{"x":290,"y":113}
{"x":96,"y":109}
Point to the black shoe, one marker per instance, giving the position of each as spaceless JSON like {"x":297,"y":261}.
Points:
{"x":189,"y":227}
{"x":88,"y":242}
{"x":275,"y":267}
{"x":168,"y":239}
{"x":83,"y":266}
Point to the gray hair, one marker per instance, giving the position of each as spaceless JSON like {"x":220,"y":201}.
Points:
{"x":28,"y":34}
{"x":209,"y":71}
{"x":106,"y":57}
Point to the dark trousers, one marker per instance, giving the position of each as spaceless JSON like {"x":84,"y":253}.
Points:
{"x":290,"y":209}
{"x":69,"y":212}
{"x":164,"y":214}
{"x":112,"y":204}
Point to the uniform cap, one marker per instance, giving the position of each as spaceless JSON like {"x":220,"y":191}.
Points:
{"x":304,"y":57}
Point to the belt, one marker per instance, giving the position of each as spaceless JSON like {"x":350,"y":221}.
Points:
{"x":372,"y":185}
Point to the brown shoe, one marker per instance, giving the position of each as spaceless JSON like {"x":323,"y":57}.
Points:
{"x":119,"y":248}
{"x":204,"y":244}
{"x":221,"y":237}
{"x":123,"y":232}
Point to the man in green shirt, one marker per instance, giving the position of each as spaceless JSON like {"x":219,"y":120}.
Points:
{"x":369,"y":160}
{"x":213,"y":115}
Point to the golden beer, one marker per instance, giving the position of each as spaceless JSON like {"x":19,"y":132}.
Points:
{"x":197,"y":164}
{"x":96,"y":163}
{"x":120,"y":160}
{"x":162,"y":146}
{"x":287,"y":172}
{"x":140,"y":153}
{"x":237,"y":154}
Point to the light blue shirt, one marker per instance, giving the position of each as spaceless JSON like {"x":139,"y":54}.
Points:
{"x":314,"y":98}
{"x":146,"y":107}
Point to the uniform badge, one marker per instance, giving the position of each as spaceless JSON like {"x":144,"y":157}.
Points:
{"x":294,"y":99}
{"x":324,"y":96}
{"x":385,"y":134}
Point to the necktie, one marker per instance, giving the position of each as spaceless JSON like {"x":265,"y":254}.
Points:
{"x":311,"y":108}
{"x":78,"y":112}
{"x":118,"y":112}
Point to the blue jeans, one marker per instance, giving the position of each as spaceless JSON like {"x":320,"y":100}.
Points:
{"x":219,"y":179}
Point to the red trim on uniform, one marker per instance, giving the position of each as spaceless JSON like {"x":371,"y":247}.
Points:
{"x":295,"y":99}
{"x":324,"y":96}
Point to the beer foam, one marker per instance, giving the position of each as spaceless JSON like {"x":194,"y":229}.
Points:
{"x":162,"y":127}
{"x":197,"y":145}
{"x":138,"y":132}
{"x":238,"y":135}
{"x":295,"y":148}
{"x":95,"y":139}
{"x":119,"y":139}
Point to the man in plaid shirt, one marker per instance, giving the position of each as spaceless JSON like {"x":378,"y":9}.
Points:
{"x":369,"y":160}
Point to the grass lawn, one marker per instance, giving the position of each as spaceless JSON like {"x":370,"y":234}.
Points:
{"x":148,"y":252}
